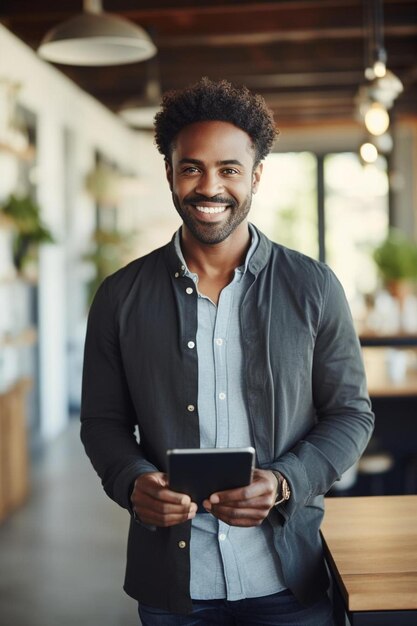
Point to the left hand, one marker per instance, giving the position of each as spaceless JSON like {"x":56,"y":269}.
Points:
{"x":245,"y":506}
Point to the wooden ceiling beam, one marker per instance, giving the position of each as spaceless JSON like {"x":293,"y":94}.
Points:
{"x":33,"y":34}
{"x":303,"y":80}
{"x":263,"y":38}
{"x":285,"y":21}
{"x":24,"y":7}
{"x":315,"y":97}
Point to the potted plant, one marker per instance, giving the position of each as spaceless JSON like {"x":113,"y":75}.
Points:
{"x":30,"y":231}
{"x":396,"y":259}
{"x":109,"y":251}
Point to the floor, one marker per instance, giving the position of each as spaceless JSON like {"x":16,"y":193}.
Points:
{"x":62,"y":555}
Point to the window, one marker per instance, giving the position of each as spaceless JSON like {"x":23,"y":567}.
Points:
{"x":356,"y":219}
{"x":329,"y":207}
{"x":285,"y":207}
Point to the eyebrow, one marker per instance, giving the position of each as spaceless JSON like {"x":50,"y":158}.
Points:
{"x":218,"y":163}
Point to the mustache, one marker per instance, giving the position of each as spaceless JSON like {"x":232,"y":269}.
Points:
{"x":199,"y":199}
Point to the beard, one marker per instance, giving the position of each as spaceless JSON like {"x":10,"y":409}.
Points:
{"x":212,"y":232}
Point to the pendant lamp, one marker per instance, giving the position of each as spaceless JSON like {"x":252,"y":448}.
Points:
{"x":95,"y":38}
{"x":139,"y":111}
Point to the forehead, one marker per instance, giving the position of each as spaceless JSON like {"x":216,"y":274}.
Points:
{"x":213,"y":139}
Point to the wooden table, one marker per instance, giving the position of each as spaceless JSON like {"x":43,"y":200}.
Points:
{"x":371,"y":548}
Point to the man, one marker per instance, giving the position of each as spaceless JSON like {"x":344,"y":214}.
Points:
{"x":223,"y":339}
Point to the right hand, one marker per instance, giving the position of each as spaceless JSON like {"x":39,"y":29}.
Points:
{"x":155,"y":504}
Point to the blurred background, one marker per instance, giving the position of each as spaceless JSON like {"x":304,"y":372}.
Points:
{"x":82,"y":192}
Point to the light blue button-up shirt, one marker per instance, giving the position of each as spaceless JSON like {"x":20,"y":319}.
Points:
{"x":227,"y":561}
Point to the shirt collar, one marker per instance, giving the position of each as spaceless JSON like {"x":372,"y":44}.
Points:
{"x":242,"y":268}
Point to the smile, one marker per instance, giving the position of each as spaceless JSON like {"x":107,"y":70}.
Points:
{"x":211,"y":209}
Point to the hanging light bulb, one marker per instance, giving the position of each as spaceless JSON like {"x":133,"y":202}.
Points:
{"x":380,"y":69}
{"x":385,"y":89}
{"x":376,"y":119}
{"x":377,"y":70}
{"x":368,"y":152}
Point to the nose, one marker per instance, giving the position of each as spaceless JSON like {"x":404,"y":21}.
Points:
{"x":209,"y":184}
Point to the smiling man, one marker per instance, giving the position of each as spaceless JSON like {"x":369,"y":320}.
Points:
{"x":223,"y":339}
{"x":213,"y":195}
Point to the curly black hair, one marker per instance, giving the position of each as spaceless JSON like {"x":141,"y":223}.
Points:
{"x":221,"y":101}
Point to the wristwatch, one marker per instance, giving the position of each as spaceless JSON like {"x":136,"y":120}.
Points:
{"x":284,"y":491}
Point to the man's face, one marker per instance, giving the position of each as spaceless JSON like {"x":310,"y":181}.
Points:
{"x":212,"y":178}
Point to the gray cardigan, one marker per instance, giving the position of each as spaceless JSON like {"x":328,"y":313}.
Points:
{"x":306,"y":393}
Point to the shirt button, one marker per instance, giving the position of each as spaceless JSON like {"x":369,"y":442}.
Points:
{"x":222,"y":536}
{"x":176,"y":274}
{"x":219,"y":341}
{"x":191,"y":344}
{"x":222,"y":396}
{"x":183,"y":267}
{"x":189,"y":290}
{"x":182,"y":544}
{"x":191,"y":407}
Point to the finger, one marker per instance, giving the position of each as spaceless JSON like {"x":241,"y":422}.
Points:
{"x":162,"y":493}
{"x":155,"y":519}
{"x":245,"y":518}
{"x":260,"y":504}
{"x":163,"y":518}
{"x":145,"y":501}
{"x":174,"y":497}
{"x":242,"y":494}
{"x":160,"y":514}
{"x":263,"y":483}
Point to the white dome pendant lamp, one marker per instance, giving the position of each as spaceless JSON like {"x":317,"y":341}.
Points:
{"x":95,"y":38}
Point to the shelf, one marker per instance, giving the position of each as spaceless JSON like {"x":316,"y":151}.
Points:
{"x":9,"y":279}
{"x":14,"y":460}
{"x":17,"y":277}
{"x":27,"y":337}
{"x":28,"y":154}
{"x":384,"y":378}
{"x":386,"y":341}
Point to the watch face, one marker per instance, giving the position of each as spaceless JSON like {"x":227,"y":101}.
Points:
{"x":285,"y":490}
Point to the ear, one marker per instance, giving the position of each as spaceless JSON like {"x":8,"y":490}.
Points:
{"x":256,"y":177}
{"x":168,"y":172}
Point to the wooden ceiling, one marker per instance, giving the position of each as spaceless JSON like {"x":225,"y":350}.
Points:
{"x":305,"y":56}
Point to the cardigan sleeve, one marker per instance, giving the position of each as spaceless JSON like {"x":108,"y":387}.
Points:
{"x":344,"y":418}
{"x":107,"y":414}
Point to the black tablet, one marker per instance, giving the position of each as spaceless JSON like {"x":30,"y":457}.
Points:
{"x":199,"y":472}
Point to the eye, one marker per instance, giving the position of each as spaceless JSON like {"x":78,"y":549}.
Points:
{"x":191,"y":169}
{"x":230,"y":171}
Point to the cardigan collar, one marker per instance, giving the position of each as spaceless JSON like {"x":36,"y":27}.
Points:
{"x":257,"y":261}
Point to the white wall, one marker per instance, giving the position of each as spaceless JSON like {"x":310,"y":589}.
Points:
{"x":60,"y":106}
{"x":155,"y":216}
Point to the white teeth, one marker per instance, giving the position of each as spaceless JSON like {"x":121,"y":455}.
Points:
{"x":211,"y":209}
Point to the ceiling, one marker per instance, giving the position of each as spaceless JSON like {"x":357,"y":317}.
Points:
{"x":305,"y":56}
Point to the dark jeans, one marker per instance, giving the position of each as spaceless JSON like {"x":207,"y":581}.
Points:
{"x":279,"y":609}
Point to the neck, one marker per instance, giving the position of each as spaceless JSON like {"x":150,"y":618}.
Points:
{"x":219,"y":258}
